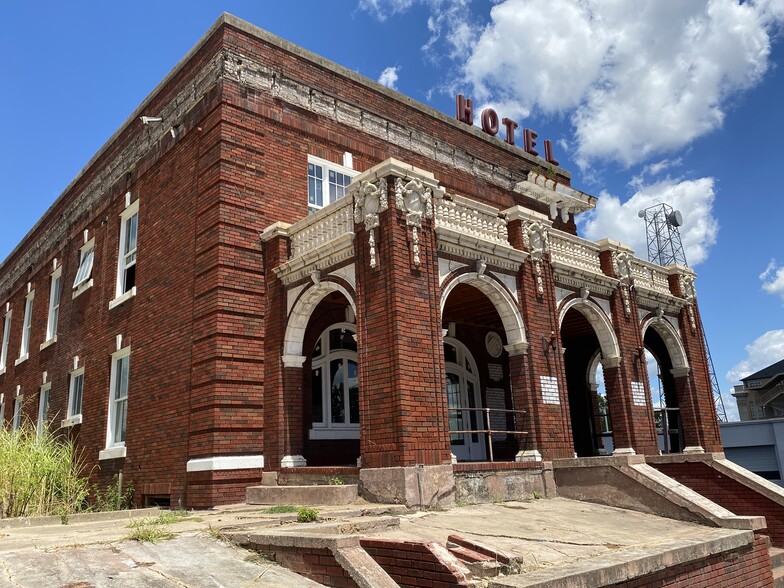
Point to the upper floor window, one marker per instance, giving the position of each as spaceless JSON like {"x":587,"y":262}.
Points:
{"x":84,"y":274}
{"x":54,"y":305}
{"x":126,"y":264}
{"x":118,"y":398}
{"x":24,"y":349}
{"x":335,"y":384}
{"x":327,"y":182}
{"x":6,"y":337}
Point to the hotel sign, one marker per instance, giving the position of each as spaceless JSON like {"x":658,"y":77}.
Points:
{"x":464,"y":108}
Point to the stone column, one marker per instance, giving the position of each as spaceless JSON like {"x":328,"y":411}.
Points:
{"x":695,"y":394}
{"x":538,"y":377}
{"x":630,"y":390}
{"x":404,"y":440}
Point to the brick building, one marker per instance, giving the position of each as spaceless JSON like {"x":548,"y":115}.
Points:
{"x":290,"y":265}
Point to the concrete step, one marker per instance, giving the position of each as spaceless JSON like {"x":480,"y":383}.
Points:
{"x":776,"y":557}
{"x":302,"y":495}
{"x":778,"y":577}
{"x":481,"y":565}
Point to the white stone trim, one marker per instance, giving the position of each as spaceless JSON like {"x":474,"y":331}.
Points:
{"x":601,"y":324}
{"x":70,"y":422}
{"x":293,"y":461}
{"x":693,"y":449}
{"x":672,"y":341}
{"x":624,"y":451}
{"x":225,"y":462}
{"x":528,"y":455}
{"x":293,"y":361}
{"x":303,"y":308}
{"x":329,"y":434}
{"x":123,"y":298}
{"x":112,"y":452}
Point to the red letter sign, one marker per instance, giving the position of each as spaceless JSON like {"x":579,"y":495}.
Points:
{"x":548,"y":152}
{"x":465,"y":109}
{"x":510,"y":127}
{"x":490,"y":121}
{"x":529,"y":139}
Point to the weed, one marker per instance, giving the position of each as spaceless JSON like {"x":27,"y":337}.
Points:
{"x":113,"y":497}
{"x":336,"y":481}
{"x":537,"y":495}
{"x":307,"y":515}
{"x":146,"y":532}
{"x":281,"y":509}
{"x":42,"y":474}
{"x":171,"y":516}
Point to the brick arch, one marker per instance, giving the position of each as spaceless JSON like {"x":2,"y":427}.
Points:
{"x":599,"y":321}
{"x":671,"y":339}
{"x":303,"y":308}
{"x":503,"y":302}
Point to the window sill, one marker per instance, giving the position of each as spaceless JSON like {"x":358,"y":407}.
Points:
{"x":326,"y":434}
{"x":122,"y":299}
{"x":71,"y":421}
{"x":112,"y":453}
{"x":48,"y":342}
{"x":83,"y":287}
{"x":22,"y":359}
{"x":2,"y":371}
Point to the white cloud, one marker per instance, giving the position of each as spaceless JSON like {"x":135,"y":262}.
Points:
{"x":389,"y":77}
{"x":383,"y":9}
{"x":773,"y":279}
{"x":635,"y":82}
{"x":619,"y":220}
{"x":763,"y":351}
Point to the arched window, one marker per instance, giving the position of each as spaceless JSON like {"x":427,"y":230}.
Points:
{"x":335,"y":384}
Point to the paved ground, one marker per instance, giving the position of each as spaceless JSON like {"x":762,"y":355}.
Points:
{"x":543,"y":533}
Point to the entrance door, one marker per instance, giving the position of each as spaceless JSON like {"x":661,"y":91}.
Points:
{"x":463,"y":400}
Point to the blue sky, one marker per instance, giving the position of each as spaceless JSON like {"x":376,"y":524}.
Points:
{"x":646,"y":101}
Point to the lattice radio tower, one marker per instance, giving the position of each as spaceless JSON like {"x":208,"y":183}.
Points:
{"x":665,"y":248}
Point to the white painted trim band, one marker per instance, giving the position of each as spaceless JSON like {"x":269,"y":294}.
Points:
{"x":226,"y":462}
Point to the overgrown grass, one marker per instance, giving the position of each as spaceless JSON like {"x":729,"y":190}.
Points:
{"x":113,"y":497}
{"x":152,"y":530}
{"x":40,"y":474}
{"x":281,"y":509}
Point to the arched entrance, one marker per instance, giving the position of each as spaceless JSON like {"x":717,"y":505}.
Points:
{"x":664,"y":352}
{"x":464,"y":402}
{"x":587,"y":340}
{"x":480,"y":320}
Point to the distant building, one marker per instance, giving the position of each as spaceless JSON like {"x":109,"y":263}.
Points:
{"x":286,"y":264}
{"x":761,"y":396}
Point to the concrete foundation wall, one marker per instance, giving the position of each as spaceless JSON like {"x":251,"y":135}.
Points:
{"x":484,"y":486}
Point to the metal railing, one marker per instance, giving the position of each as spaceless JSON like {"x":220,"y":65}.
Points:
{"x":487,"y":430}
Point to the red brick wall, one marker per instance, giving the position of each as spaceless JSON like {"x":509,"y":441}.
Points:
{"x":413,"y":563}
{"x":728,"y":493}
{"x":748,"y":567}
{"x":314,"y":563}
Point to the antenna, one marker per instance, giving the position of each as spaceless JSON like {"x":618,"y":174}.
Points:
{"x":665,"y":248}
{"x":664,"y":238}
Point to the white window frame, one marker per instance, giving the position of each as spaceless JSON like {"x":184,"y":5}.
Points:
{"x":83,"y":280}
{"x":27,"y":326}
{"x":126,"y":258}
{"x":43,"y":407}
{"x":2,"y":412}
{"x":55,"y":289}
{"x":326,"y":429}
{"x":6,"y":337}
{"x":116,"y":448}
{"x":16,"y":419}
{"x":326,"y":167}
{"x":74,"y":417}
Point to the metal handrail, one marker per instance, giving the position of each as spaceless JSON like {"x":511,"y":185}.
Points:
{"x":488,"y":431}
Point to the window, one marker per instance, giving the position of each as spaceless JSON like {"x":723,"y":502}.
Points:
{"x":43,"y":408}
{"x":2,"y":412}
{"x":24,"y":349}
{"x":17,"y":418}
{"x":126,"y":265}
{"x":83,"y":275}
{"x":6,"y":336}
{"x":75,"y":389}
{"x":118,"y":405}
{"x":335,"y":385}
{"x":327,"y":182}
{"x":54,"y":305}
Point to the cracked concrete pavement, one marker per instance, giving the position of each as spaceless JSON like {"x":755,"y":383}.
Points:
{"x":538,"y":534}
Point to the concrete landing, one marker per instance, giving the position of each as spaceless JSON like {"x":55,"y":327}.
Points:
{"x":302,"y":495}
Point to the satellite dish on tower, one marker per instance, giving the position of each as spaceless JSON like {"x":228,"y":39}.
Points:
{"x":675,"y":218}
{"x":641,"y":214}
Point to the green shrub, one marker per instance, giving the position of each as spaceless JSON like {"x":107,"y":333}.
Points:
{"x":40,"y":474}
{"x":307,"y":515}
{"x":115,"y":496}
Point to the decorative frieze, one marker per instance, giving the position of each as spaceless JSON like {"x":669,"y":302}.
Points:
{"x":415,"y":200}
{"x":369,"y":201}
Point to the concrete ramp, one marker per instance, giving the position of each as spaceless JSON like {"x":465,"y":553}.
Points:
{"x":628,"y":482}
